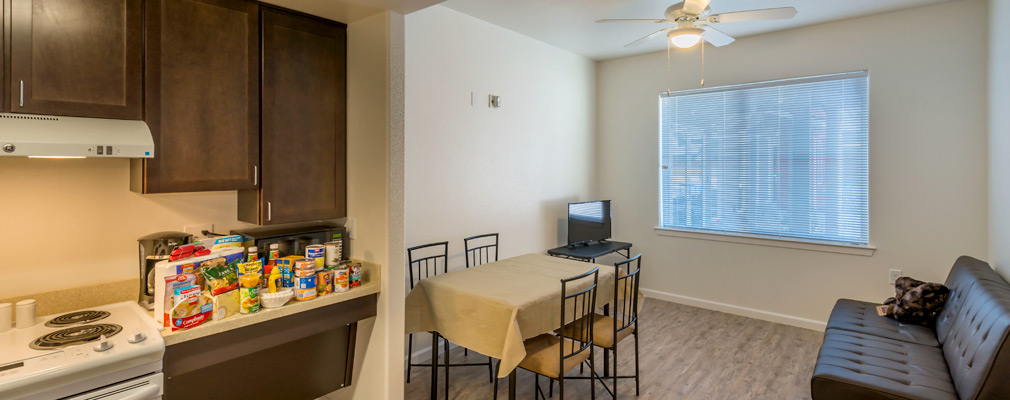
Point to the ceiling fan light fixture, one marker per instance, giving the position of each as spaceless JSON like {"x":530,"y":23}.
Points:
{"x":685,"y":38}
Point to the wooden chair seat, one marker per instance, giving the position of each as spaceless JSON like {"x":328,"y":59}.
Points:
{"x":603,"y":331}
{"x":542,"y":356}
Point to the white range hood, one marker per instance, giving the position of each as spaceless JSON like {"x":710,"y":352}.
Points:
{"x":26,"y":135}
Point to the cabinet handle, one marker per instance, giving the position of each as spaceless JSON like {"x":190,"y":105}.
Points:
{"x":270,"y":211}
{"x":21,"y":103}
{"x":256,"y":175}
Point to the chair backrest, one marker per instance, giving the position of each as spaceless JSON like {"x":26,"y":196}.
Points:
{"x":481,"y":249}
{"x":626,"y":293}
{"x":578,"y":302}
{"x":424,"y":261}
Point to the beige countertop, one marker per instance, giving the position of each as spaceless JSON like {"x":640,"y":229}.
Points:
{"x":370,"y":283}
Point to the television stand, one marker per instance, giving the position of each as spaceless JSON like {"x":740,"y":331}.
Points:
{"x":591,"y":251}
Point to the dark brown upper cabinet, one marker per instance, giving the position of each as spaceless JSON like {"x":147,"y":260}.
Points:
{"x":303,"y":135}
{"x":76,"y":58}
{"x":202,"y":96}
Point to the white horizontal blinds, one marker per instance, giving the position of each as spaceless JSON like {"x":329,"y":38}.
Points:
{"x":785,"y":158}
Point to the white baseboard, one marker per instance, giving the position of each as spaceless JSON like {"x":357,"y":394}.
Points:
{"x":737,"y":310}
{"x":425,"y":351}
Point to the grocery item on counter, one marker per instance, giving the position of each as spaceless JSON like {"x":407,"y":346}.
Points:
{"x":341,"y":279}
{"x":274,"y":281}
{"x":225,"y":304}
{"x":222,"y":242}
{"x":190,"y":307}
{"x":164,"y":290}
{"x":274,"y":300}
{"x":355,"y":278}
{"x":305,"y":281}
{"x":334,"y":252}
{"x":190,"y":267}
{"x":324,"y":282}
{"x":316,"y":253}
{"x":220,"y":277}
{"x":188,"y":250}
{"x":274,"y":253}
{"x":249,"y":275}
{"x":287,"y":267}
{"x":252,"y":254}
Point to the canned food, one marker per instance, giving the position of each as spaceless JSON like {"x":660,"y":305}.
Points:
{"x":305,"y":288}
{"x":355,"y":275}
{"x":324,"y":282}
{"x":334,"y":252}
{"x":316,"y":253}
{"x":341,"y":279}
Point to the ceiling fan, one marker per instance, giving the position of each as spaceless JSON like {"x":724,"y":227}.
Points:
{"x":693,"y":17}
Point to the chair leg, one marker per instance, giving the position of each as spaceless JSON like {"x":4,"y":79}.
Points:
{"x":489,"y":370}
{"x":561,"y":386}
{"x":446,"y":369}
{"x":592,"y":370}
{"x":615,"y":370}
{"x":637,"y":388}
{"x":536,"y":386}
{"x":495,"y":380}
{"x":410,"y":350}
{"x":550,"y":390}
{"x":465,"y":353}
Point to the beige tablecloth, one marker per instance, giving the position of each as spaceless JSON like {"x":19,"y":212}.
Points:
{"x":492,"y":308}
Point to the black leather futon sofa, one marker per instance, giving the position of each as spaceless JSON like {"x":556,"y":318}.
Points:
{"x":966,"y":356}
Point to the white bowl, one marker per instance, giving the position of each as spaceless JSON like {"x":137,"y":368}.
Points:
{"x":274,"y":300}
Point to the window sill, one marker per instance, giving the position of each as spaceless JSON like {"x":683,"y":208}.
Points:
{"x":866,"y":251}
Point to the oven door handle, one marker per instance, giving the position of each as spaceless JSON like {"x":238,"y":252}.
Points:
{"x":146,"y":393}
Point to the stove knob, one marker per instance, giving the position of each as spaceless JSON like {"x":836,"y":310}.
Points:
{"x":137,"y":337}
{"x":103,"y":344}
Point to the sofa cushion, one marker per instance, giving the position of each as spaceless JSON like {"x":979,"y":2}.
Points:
{"x":861,"y":316}
{"x":853,"y":365}
{"x":975,"y":346}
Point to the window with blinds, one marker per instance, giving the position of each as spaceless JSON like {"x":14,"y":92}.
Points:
{"x":786,"y":159}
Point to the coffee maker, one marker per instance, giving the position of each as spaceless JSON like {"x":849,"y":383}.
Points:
{"x":154,"y":248}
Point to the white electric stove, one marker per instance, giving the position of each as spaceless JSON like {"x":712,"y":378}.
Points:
{"x":109,"y":352}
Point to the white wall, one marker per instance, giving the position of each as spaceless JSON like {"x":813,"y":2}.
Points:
{"x":999,"y":135}
{"x":374,"y":169}
{"x":471,"y":169}
{"x":928,"y":178}
{"x":475,"y":169}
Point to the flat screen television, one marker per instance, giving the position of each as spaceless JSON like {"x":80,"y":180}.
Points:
{"x":588,"y":221}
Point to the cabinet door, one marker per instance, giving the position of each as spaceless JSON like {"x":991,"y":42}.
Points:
{"x":77,"y":57}
{"x":202,"y":95}
{"x":304,"y":119}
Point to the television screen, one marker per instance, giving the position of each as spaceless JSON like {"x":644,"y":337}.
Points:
{"x":588,"y":221}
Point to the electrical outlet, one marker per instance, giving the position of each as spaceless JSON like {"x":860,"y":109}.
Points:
{"x":894,"y":275}
{"x":197,"y":230}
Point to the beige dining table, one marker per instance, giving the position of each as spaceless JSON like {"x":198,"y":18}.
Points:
{"x":493,"y":307}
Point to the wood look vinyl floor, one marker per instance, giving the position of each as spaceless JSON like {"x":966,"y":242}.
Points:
{"x":686,"y":353}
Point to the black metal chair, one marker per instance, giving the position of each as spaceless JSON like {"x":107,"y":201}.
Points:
{"x":483,"y":250}
{"x":551,"y":355}
{"x":611,"y":330}
{"x":423,"y":262}
{"x":478,"y":250}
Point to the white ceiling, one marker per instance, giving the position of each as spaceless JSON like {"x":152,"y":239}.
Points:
{"x":348,"y":11}
{"x":569,"y":24}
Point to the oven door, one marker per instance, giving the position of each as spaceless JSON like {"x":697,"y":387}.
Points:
{"x":148,"y":387}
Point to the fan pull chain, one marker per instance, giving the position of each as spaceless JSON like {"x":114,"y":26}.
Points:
{"x":703,"y":62}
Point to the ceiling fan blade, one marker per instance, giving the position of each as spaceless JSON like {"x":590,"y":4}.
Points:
{"x":655,"y":21}
{"x":695,"y":7}
{"x":716,"y":37}
{"x":754,"y":15}
{"x":649,"y":36}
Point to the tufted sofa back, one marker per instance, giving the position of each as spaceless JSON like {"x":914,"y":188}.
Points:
{"x":973,"y":329}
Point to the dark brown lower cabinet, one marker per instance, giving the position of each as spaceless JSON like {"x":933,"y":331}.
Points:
{"x":303,"y":152}
{"x":300,"y":356}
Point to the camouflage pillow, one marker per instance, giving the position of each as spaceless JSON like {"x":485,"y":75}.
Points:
{"x":916,"y":302}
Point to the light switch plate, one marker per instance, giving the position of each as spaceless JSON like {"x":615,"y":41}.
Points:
{"x":893,"y":275}
{"x":351,"y":227}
